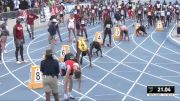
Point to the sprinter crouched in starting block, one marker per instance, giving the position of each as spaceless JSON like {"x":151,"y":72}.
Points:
{"x":124,"y":32}
{"x":141,"y":30}
{"x":82,"y":50}
{"x":97,"y":46}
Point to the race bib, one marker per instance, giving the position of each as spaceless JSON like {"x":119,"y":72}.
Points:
{"x":61,"y":12}
{"x":145,"y":9}
{"x":139,"y":11}
{"x":149,"y":13}
{"x":82,"y":44}
{"x":99,"y":9}
{"x":162,"y":13}
{"x":168,"y":13}
{"x":170,"y":6}
{"x":93,"y":11}
{"x":177,"y":11}
{"x":82,"y":22}
{"x":122,"y":12}
{"x":108,"y":26}
{"x":108,"y":7}
{"x":158,"y":5}
{"x":78,"y":7}
{"x":177,"y":6}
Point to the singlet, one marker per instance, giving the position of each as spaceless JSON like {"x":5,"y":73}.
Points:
{"x":162,"y":13}
{"x":168,"y":13}
{"x":71,"y":23}
{"x":83,"y":22}
{"x":19,"y":31}
{"x":70,"y":63}
{"x":123,"y":28}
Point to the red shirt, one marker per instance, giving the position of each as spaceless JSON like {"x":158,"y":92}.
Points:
{"x":77,"y":18}
{"x":30,"y":18}
{"x":19,"y":31}
{"x":70,"y":63}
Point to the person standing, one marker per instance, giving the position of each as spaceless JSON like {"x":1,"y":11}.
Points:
{"x":23,"y":5}
{"x":18,"y":40}
{"x":52,"y":33}
{"x":71,"y":68}
{"x":107,"y":30}
{"x":71,"y":27}
{"x":4,"y":34}
{"x":0,"y":49}
{"x":16,"y":5}
{"x":50,"y":69}
{"x":31,"y":17}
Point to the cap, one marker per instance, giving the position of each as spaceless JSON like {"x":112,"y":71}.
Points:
{"x":49,"y":52}
{"x":18,"y":20}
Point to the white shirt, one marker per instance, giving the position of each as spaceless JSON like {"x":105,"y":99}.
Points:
{"x":16,"y":4}
{"x":162,"y":13}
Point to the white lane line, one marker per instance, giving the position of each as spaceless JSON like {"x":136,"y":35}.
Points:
{"x":135,"y":62}
{"x":172,"y":76}
{"x":73,"y":89}
{"x":36,"y":36}
{"x":145,"y":67}
{"x":25,"y":54}
{"x":14,"y":75}
{"x":146,"y":72}
{"x":155,"y":64}
{"x":9,"y":90}
{"x":110,"y":72}
{"x":157,"y":54}
{"x":18,"y":78}
{"x":66,"y":38}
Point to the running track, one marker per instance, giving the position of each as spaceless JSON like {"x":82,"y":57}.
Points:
{"x":123,"y":72}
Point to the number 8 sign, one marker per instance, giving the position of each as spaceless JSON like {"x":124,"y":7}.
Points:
{"x":35,"y":80}
{"x":38,"y":75}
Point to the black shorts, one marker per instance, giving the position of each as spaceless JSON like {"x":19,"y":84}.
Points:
{"x":61,"y":15}
{"x":77,"y":26}
{"x":83,"y":25}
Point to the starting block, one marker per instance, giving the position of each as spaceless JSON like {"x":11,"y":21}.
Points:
{"x":98,"y":37}
{"x":159,"y":26}
{"x":117,"y":34}
{"x":64,"y":50}
{"x":35,"y":81}
{"x":137,"y":26}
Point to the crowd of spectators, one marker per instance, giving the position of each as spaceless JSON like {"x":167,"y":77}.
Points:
{"x":13,"y":5}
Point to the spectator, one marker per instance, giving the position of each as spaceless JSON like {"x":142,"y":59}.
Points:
{"x":4,"y":34}
{"x":52,"y":32}
{"x":0,"y":49}
{"x":18,"y":40}
{"x":31,"y":17}
{"x":23,"y":5}
{"x":50,"y":69}
{"x":16,"y":5}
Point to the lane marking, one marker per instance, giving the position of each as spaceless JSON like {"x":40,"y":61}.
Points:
{"x":145,"y":68}
{"x":105,"y":77}
{"x":9,"y":90}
